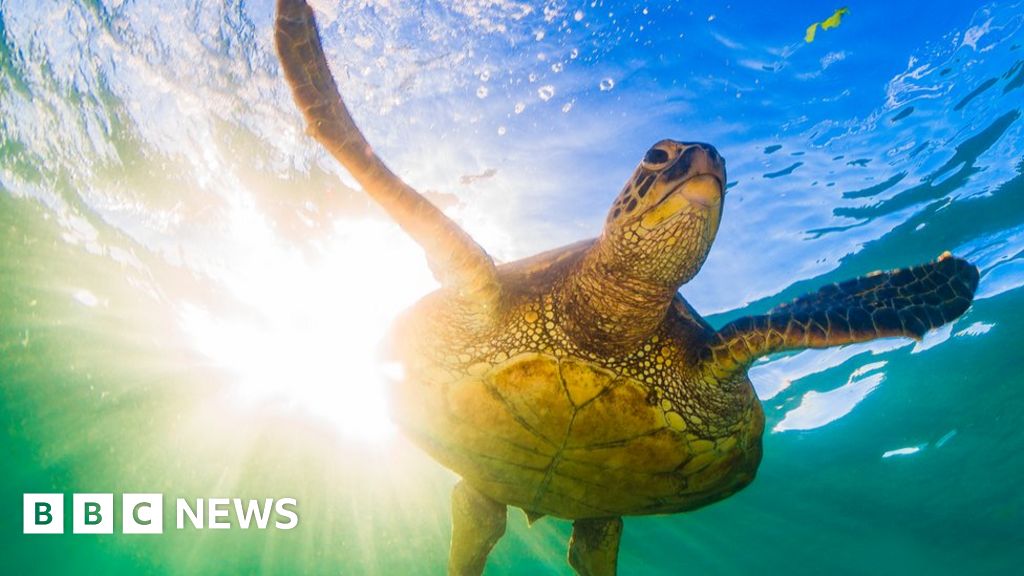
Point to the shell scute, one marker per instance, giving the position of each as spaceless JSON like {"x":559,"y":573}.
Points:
{"x":530,"y":384}
{"x":616,"y":416}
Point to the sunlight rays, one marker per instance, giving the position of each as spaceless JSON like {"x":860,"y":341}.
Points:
{"x":312,"y":325}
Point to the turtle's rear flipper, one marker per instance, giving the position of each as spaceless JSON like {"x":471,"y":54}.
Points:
{"x":477,"y":524}
{"x":906,"y":302}
{"x":594,"y":547}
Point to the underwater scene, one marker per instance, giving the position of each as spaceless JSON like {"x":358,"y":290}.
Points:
{"x":196,"y":297}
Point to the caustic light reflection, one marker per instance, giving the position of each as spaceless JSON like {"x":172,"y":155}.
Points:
{"x":311,"y":327}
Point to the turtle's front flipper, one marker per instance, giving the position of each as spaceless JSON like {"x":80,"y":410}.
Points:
{"x":906,"y":302}
{"x":454,"y":257}
{"x":594,"y":547}
{"x":477,"y":524}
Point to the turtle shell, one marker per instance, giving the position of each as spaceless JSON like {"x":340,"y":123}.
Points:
{"x":565,"y":437}
{"x":532,"y":418}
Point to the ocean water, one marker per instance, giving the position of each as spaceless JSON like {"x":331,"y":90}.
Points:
{"x":193,"y":292}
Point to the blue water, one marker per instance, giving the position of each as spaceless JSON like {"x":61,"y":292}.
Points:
{"x":193,"y":291}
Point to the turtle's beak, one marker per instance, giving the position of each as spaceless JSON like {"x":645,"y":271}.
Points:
{"x":695,"y":182}
{"x":696,"y":170}
{"x":703,"y":189}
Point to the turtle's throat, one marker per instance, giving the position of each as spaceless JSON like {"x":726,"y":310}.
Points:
{"x":608,"y":305}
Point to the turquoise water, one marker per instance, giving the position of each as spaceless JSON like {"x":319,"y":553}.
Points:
{"x":193,"y":292}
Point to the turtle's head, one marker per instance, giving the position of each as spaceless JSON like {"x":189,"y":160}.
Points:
{"x":661,"y":226}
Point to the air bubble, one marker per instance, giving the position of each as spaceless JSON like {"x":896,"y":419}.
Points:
{"x":532,"y":77}
{"x":607,"y":84}
{"x":546,"y":92}
{"x":557,"y":67}
{"x":481,"y":92}
{"x":574,"y":53}
{"x":567,"y":106}
{"x":578,"y":15}
{"x":502,"y":130}
{"x":520,"y":107}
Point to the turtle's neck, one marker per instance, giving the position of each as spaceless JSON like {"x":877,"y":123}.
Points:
{"x":609,"y":308}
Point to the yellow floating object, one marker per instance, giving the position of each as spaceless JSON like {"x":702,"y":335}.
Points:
{"x":826,"y":24}
{"x":809,"y":37}
{"x":833,"y":20}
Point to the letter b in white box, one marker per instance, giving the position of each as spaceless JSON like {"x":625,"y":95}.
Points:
{"x":142,"y":513}
{"x":43,"y":513}
{"x":92,"y":514}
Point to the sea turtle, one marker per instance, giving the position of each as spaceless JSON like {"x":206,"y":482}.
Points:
{"x":578,"y":383}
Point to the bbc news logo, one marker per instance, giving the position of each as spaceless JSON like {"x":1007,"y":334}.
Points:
{"x":144,"y":513}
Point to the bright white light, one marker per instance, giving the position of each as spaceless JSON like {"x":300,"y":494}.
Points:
{"x":817,"y":409}
{"x":976,"y":329}
{"x":904,"y":451}
{"x":86,"y":298}
{"x":309,"y":327}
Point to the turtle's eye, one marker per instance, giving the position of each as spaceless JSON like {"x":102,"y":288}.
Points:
{"x":655,"y":158}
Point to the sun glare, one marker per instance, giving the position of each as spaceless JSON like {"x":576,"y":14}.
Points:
{"x":312,"y":326}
